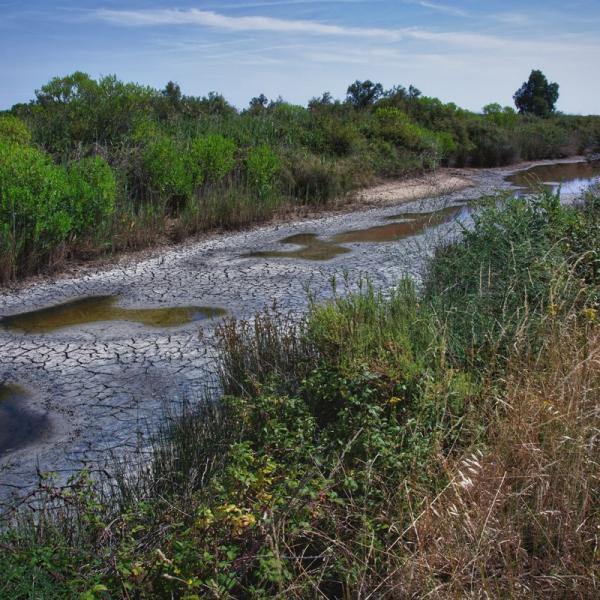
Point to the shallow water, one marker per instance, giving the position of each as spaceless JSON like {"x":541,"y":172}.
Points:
{"x":95,"y":309}
{"x":18,"y":426}
{"x":311,"y":247}
{"x":572,"y":178}
{"x":407,"y":225}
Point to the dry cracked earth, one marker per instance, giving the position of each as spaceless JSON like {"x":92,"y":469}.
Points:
{"x":102,"y":386}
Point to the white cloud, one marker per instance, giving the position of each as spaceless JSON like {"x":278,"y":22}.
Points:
{"x":212,"y":19}
{"x":449,"y":10}
{"x":206,"y":18}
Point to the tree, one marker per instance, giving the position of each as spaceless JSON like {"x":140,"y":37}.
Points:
{"x":536,"y":96}
{"x":173,"y":93}
{"x":258,"y":104}
{"x":362,"y":94}
{"x":325,"y":99}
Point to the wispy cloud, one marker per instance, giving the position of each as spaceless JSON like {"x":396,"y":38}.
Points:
{"x":271,"y":3}
{"x":206,"y":18}
{"x":469,"y":40}
{"x":445,"y":8}
{"x":512,"y":18}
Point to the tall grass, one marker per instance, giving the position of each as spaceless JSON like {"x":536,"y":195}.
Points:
{"x":441,"y":444}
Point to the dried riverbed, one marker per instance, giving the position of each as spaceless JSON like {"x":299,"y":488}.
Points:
{"x":98,"y":384}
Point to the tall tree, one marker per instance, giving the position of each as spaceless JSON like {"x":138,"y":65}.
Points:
{"x":536,"y":96}
{"x":362,"y":94}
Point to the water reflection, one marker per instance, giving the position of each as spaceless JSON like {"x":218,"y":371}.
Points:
{"x":406,"y":224}
{"x":95,"y":309}
{"x":572,"y":178}
{"x":18,"y":426}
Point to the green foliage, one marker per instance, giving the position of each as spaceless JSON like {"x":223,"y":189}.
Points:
{"x":212,"y":156}
{"x":508,"y":275}
{"x":262,"y":165}
{"x":540,"y":138}
{"x":42,"y":205}
{"x":34,"y":201}
{"x":13,"y":130}
{"x":504,"y":117}
{"x":492,"y":145}
{"x":335,"y":433}
{"x":77,"y":109}
{"x":167,"y":171}
{"x":395,"y":126}
{"x":362,"y":94}
{"x":93,"y":193}
{"x":536,"y":96}
{"x":173,"y":154}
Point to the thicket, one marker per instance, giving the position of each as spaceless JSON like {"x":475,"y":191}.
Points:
{"x":437,"y":444}
{"x":185,"y":164}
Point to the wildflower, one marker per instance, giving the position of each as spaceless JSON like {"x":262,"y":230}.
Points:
{"x":591,"y":314}
{"x":241,"y":522}
{"x":394,"y":400}
{"x":205,"y":518}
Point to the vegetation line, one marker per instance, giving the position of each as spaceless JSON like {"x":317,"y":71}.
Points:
{"x":90,"y":168}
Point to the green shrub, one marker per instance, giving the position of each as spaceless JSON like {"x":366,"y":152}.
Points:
{"x":262,"y":165}
{"x":491,"y":145}
{"x":339,"y":138}
{"x":167,"y":172}
{"x":212,"y":158}
{"x":316,"y":180}
{"x":92,"y":194}
{"x":500,"y":282}
{"x":396,"y":127}
{"x":544,"y":138}
{"x":14,"y":130}
{"x":34,"y":208}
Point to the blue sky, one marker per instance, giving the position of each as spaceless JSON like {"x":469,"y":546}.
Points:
{"x":471,"y":52}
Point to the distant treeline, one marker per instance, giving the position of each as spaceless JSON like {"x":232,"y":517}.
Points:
{"x":96,"y":166}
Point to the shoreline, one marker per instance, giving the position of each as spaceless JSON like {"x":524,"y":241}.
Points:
{"x":383,"y":194}
{"x":102,"y":385}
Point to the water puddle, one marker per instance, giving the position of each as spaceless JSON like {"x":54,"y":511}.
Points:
{"x":311,"y":247}
{"x":94,"y":309}
{"x":572,"y":178}
{"x":18,"y":426}
{"x":407,"y":224}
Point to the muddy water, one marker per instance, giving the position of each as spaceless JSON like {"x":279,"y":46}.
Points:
{"x":311,"y":247}
{"x":19,"y":427}
{"x":410,"y":225}
{"x":96,"y":309}
{"x":572,"y":178}
{"x":406,"y":224}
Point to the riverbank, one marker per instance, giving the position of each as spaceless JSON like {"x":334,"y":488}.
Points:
{"x":444,"y":181}
{"x":396,"y":444}
{"x":100,"y":385}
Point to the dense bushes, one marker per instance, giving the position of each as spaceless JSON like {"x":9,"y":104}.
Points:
{"x":42,"y":206}
{"x":213,"y":157}
{"x":93,"y":193}
{"x":262,"y":165}
{"x":371,"y":450}
{"x":173,"y":155}
{"x":13,"y":130}
{"x":168,"y":175}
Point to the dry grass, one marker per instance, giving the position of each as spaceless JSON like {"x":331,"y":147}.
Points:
{"x":521,"y":517}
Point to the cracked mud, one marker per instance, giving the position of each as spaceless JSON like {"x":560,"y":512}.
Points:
{"x":100,"y":385}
